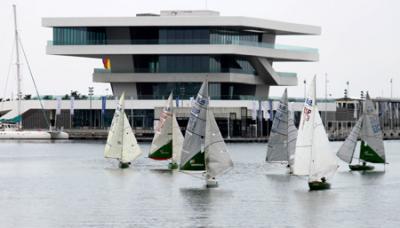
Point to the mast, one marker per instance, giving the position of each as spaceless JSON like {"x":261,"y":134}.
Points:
{"x":19,"y":93}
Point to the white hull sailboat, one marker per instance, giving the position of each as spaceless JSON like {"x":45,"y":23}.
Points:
{"x":217,"y":158}
{"x":121,"y":142}
{"x":369,"y":130}
{"x":168,"y":138}
{"x":282,"y":141}
{"x":13,"y":129}
{"x":313,"y":156}
{"x":202,"y":129}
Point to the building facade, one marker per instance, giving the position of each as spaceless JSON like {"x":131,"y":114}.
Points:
{"x":150,"y":55}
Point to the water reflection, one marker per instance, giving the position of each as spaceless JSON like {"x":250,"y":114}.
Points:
{"x":203,"y":205}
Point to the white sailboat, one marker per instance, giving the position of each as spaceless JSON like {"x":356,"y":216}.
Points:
{"x":202,"y":129}
{"x":167,"y":141}
{"x":12,"y":128}
{"x":313,"y":156}
{"x":282,"y":141}
{"x":121,"y":142}
{"x":217,"y":158}
{"x":369,"y":130}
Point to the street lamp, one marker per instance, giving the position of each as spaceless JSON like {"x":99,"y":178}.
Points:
{"x":326,"y":101}
{"x":391,"y":88}
{"x":91,"y":93}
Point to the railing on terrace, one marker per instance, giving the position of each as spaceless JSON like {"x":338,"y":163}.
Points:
{"x":156,"y":71}
{"x":188,"y":42}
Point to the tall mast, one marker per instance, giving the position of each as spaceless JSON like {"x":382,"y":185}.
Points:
{"x":19,"y":93}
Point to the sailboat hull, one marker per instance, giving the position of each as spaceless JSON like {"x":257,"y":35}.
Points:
{"x":173,"y":165}
{"x":211,"y":183}
{"x":359,"y":167}
{"x":124,"y":165}
{"x":318,"y":185}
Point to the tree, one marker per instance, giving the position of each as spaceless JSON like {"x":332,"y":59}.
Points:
{"x":75,"y":94}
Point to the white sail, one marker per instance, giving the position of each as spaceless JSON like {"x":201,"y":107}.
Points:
{"x":217,"y":157}
{"x":192,"y":157}
{"x":278,"y":140}
{"x":304,"y":141}
{"x":121,"y":142}
{"x":371,"y":132}
{"x":114,"y":145}
{"x":292,"y":138}
{"x":177,"y":140}
{"x":323,"y":161}
{"x":282,"y":142}
{"x":160,"y":147}
{"x":346,"y":151}
{"x":130,"y":149}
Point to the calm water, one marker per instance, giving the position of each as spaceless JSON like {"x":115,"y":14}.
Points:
{"x":69,"y":184}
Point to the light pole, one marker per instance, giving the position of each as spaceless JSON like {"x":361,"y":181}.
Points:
{"x":305,"y":88}
{"x":391,"y":88}
{"x":91,"y":90}
{"x":326,"y":101}
{"x":348,"y":86}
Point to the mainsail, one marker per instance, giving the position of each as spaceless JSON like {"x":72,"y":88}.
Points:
{"x":346,"y":151}
{"x":304,"y":143}
{"x":130,"y":149}
{"x":113,"y":147}
{"x":323,"y":161}
{"x":161,"y":147}
{"x":192,"y":157}
{"x":177,"y":140}
{"x":217,"y":157}
{"x":282,"y":142}
{"x":313,"y":155}
{"x":121,"y":142}
{"x":372,"y":149}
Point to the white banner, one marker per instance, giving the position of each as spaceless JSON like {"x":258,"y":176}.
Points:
{"x":72,"y":106}
{"x":254,"y":111}
{"x":355,"y":114}
{"x":58,"y":108}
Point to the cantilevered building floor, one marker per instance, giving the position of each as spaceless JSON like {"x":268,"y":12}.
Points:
{"x":150,"y":55}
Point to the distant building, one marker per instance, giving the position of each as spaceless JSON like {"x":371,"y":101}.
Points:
{"x":150,"y":55}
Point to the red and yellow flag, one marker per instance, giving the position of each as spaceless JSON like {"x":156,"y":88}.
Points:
{"x":107,"y":63}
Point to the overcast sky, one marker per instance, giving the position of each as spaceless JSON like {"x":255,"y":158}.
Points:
{"x":360,"y":41}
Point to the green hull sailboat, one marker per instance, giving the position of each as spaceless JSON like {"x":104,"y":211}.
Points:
{"x":168,"y":138}
{"x":371,"y":149}
{"x":202,"y":128}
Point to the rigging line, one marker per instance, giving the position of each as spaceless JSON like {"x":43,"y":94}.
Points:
{"x":34,"y":83}
{"x":8,"y":75}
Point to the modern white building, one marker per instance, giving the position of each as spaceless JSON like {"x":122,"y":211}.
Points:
{"x":150,"y":55}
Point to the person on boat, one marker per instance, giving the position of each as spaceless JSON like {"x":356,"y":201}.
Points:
{"x":323,"y":179}
{"x":364,"y":163}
